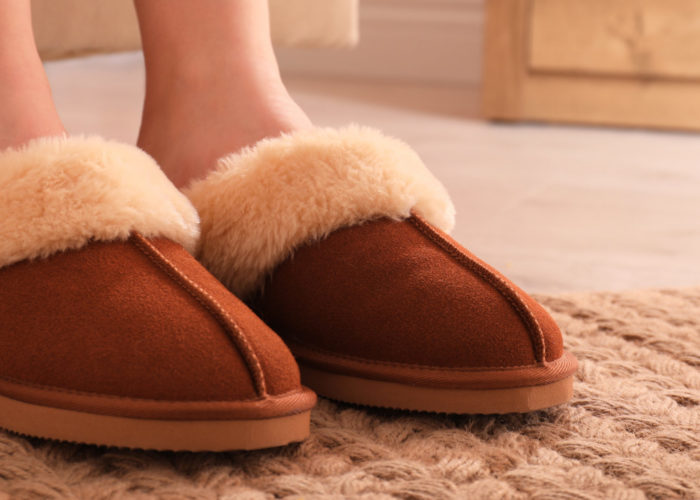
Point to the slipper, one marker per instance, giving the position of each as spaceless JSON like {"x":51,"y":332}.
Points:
{"x":338,"y":239}
{"x":112,"y":333}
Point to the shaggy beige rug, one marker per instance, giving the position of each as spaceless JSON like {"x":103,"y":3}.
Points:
{"x":632,"y":431}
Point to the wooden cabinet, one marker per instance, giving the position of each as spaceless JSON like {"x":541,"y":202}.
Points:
{"x":611,"y":62}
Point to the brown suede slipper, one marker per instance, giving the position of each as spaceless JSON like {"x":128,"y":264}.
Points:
{"x":112,"y":333}
{"x":338,"y":239}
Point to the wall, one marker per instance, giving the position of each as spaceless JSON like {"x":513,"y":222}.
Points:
{"x":68,"y":28}
{"x":433,"y":41}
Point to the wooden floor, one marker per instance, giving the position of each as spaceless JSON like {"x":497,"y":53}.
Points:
{"x":555,"y":208}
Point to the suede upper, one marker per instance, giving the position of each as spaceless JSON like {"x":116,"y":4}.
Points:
{"x":403,"y":294}
{"x":114,"y":319}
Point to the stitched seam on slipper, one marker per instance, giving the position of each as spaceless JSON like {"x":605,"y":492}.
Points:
{"x":232,"y":329}
{"x":491,"y":278}
{"x":417,"y":367}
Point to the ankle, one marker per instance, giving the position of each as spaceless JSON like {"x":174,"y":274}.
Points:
{"x":199,"y":117}
{"x":26,"y":106}
{"x":28,"y":112}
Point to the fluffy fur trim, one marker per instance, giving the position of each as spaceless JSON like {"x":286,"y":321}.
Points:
{"x":59,"y":193}
{"x":262,"y":203}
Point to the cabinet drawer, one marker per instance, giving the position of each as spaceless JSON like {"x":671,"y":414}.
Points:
{"x":635,"y":38}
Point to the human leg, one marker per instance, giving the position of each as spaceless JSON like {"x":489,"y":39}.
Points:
{"x":27,"y":107}
{"x":213,"y":85}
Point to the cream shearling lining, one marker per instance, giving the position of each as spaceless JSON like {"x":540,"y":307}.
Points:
{"x":59,"y":193}
{"x":265,"y":201}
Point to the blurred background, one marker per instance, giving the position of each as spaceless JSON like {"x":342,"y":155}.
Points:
{"x":565,"y":130}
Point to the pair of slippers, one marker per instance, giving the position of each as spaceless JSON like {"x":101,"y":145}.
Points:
{"x":322,"y":260}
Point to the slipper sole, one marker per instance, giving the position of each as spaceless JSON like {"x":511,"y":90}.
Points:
{"x":151,"y":434}
{"x":384,"y":394}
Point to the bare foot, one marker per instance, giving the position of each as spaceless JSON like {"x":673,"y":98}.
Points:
{"x":212,"y":83}
{"x":197,"y":119}
{"x":27,"y":113}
